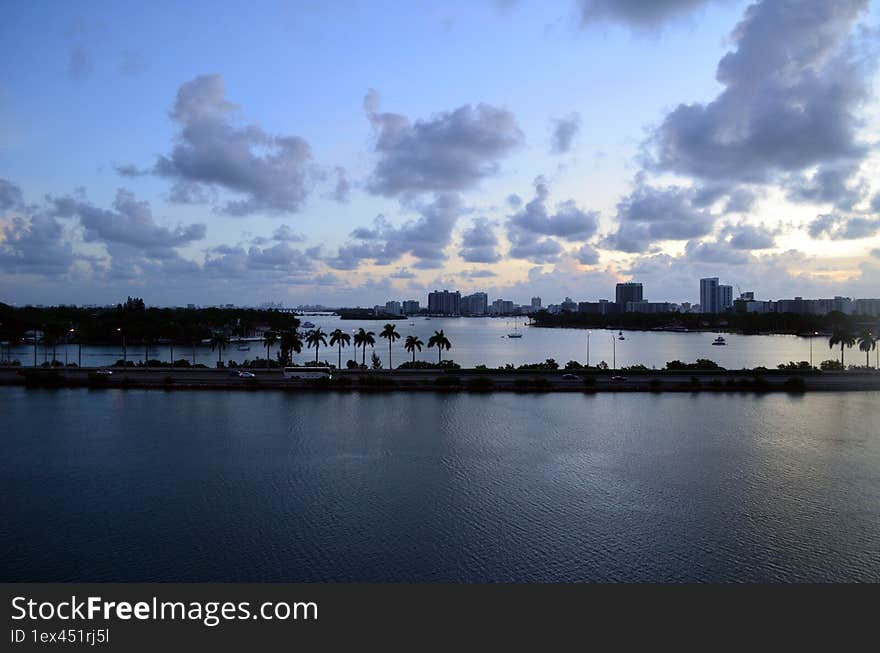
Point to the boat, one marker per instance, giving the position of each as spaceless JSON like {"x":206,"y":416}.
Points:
{"x":719,"y":341}
{"x":308,"y":325}
{"x":244,"y":348}
{"x":515,"y":333}
{"x":620,"y":335}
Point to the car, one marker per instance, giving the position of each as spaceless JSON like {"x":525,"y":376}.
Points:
{"x":104,"y":372}
{"x":234,"y":373}
{"x":570,"y":377}
{"x":246,"y":375}
{"x":617,"y":379}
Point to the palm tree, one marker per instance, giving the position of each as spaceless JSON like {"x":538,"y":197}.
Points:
{"x":316,"y":338}
{"x":341,"y":338}
{"x":867,"y":342}
{"x":841,"y":335}
{"x":412,"y":343}
{"x":362,"y":339}
{"x":389,"y":332}
{"x":270,"y":339}
{"x":219,"y":340}
{"x":440,"y":341}
{"x":290,"y":341}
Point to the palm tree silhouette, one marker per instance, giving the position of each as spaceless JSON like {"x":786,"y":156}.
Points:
{"x":219,"y":340}
{"x":316,"y":338}
{"x":362,"y":339}
{"x":270,"y":339}
{"x":290,"y":341}
{"x":440,"y":341}
{"x":389,"y":332}
{"x":340,"y":338}
{"x":841,"y":335}
{"x":867,"y":342}
{"x":412,"y":343}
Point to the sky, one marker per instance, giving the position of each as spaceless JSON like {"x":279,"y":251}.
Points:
{"x":351,"y":153}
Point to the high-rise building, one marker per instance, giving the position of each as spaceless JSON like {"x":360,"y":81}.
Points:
{"x":444,"y":302}
{"x":393,"y":308}
{"x":501,"y":307}
{"x":628,"y":292}
{"x":410,"y":307}
{"x":475,"y":304}
{"x":725,"y":298}
{"x":536,"y":303}
{"x":569,"y":305}
{"x":709,"y":295}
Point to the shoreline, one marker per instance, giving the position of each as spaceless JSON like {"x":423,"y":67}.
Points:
{"x":465,"y":380}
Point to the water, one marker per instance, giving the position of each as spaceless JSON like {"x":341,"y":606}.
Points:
{"x":483,"y":341}
{"x":108,"y":485}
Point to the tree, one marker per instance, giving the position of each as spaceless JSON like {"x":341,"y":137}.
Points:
{"x":867,"y":342}
{"x":843,"y":336}
{"x":270,"y":339}
{"x":290,"y":341}
{"x":219,"y":340}
{"x":440,"y":341}
{"x":412,"y":343}
{"x":315,"y":338}
{"x":362,"y":339}
{"x":390,"y":333}
{"x":341,"y":339}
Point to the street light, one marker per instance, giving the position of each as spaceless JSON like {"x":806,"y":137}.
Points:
{"x":588,"y":347}
{"x":124,"y":351}
{"x":812,"y":335}
{"x":613,"y":353}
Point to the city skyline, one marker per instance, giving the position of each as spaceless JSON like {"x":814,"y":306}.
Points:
{"x":519,"y":149}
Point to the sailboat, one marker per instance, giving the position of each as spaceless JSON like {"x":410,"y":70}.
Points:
{"x":515,"y":333}
{"x":620,"y":335}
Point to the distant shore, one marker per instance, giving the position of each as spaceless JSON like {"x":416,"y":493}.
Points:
{"x":464,"y":380}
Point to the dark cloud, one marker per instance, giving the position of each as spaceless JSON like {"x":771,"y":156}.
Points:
{"x":564,"y":132}
{"x":525,"y":246}
{"x":285,"y":234}
{"x":10,"y":196}
{"x":425,"y":238}
{"x":130,"y":170}
{"x":451,"y":151}
{"x":793,"y":87}
{"x":569,"y":222}
{"x":587,"y":255}
{"x":342,"y":189}
{"x":514,"y":201}
{"x":748,"y":237}
{"x":35,"y":245}
{"x":271,"y":173}
{"x":281,"y":259}
{"x":839,"y":227}
{"x":479,"y":244}
{"x":715,"y":252}
{"x":830,"y":184}
{"x":740,"y":200}
{"x":130,"y":223}
{"x":641,"y":14}
{"x":651,"y":214}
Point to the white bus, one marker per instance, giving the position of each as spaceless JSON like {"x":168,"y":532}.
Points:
{"x":307,"y":373}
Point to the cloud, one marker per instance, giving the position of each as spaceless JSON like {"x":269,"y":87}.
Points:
{"x":478,"y":274}
{"x":35,"y":245}
{"x":587,"y":255}
{"x":651,"y":214}
{"x":10,"y":195}
{"x":837,"y":227}
{"x":285,"y":234}
{"x":79,"y":64}
{"x":514,"y":201}
{"x":714,"y":252}
{"x":130,"y":223}
{"x":793,"y":87}
{"x":564,"y":132}
{"x":451,"y":151}
{"x":342,"y":190}
{"x":829,"y":184}
{"x":740,"y":200}
{"x":749,"y":237}
{"x":281,"y":259}
{"x":642,"y":14}
{"x":875,"y":253}
{"x":479,"y":244}
{"x":402,"y":273}
{"x":270,"y":173}
{"x":425,"y":238}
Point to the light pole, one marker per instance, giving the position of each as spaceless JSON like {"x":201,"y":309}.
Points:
{"x":812,"y":335}
{"x":124,"y":351}
{"x":613,"y":354}
{"x":588,"y":348}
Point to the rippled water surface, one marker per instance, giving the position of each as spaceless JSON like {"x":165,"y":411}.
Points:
{"x":209,"y":486}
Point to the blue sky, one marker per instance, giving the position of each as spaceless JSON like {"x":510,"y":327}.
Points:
{"x":639,"y":189}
